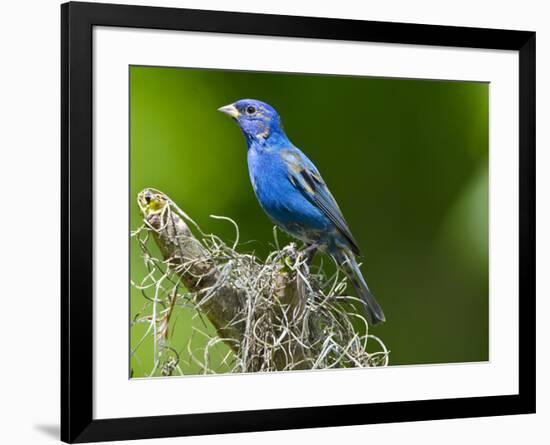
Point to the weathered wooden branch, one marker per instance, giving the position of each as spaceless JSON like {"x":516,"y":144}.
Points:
{"x":189,"y":260}
{"x":287,"y":332}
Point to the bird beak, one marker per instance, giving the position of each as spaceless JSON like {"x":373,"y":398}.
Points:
{"x":230,"y":110}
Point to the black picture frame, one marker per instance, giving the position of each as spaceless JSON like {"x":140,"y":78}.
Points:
{"x":77,"y":22}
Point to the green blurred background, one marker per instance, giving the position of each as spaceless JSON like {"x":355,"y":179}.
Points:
{"x":407,"y":161}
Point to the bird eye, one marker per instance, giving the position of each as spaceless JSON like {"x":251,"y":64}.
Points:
{"x":250,"y":110}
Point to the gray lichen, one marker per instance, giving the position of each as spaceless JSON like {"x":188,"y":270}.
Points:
{"x":275,"y":315}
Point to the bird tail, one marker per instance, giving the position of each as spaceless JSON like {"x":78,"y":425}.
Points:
{"x":346,"y":261}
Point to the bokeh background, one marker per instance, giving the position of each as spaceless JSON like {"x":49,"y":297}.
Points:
{"x":407,"y":161}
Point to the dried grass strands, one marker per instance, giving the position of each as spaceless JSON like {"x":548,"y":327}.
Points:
{"x":274,"y":315}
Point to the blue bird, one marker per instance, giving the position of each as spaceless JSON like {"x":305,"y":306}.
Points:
{"x":292,"y":192}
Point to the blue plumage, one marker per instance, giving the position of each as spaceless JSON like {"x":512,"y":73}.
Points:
{"x":292,"y":192}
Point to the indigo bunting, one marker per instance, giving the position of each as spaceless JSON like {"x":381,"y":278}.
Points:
{"x":292,"y":192}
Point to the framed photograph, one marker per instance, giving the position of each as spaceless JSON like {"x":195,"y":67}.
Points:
{"x":276,"y":222}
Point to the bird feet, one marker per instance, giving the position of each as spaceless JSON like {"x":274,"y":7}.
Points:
{"x":309,"y":252}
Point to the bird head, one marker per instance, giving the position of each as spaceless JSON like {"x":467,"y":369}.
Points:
{"x":257,"y":120}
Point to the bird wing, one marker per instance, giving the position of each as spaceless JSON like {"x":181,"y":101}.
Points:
{"x":307,"y":179}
